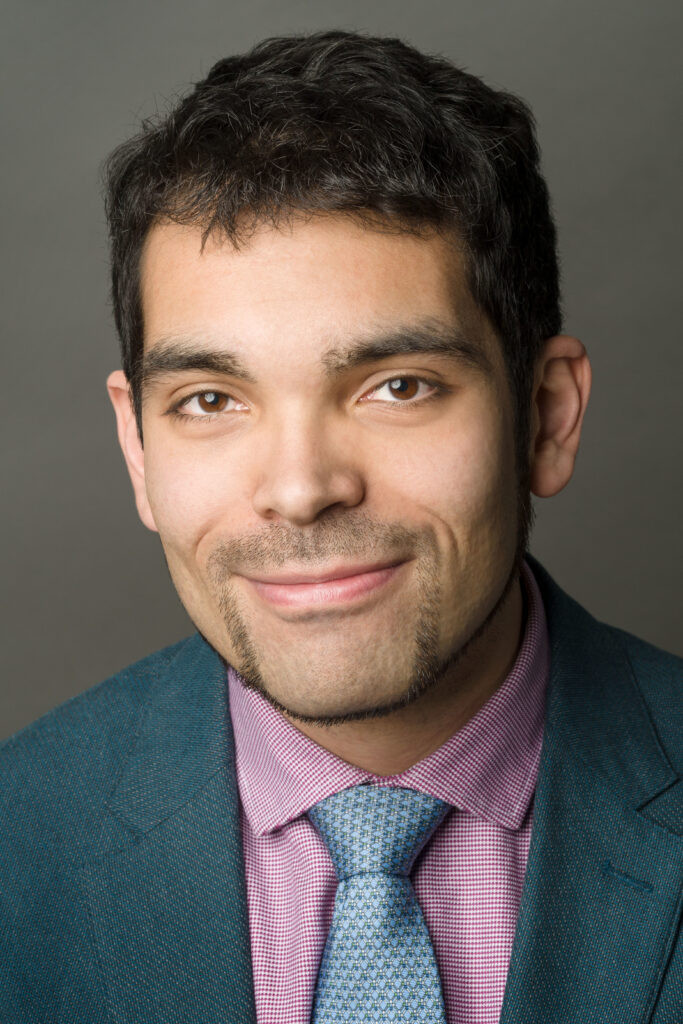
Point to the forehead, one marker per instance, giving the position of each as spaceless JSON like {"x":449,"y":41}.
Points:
{"x":308,"y":284}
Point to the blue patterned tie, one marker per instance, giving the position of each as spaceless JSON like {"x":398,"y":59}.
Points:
{"x":378,"y":964}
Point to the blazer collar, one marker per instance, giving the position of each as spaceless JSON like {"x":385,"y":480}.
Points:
{"x":184,"y":738}
{"x":594,"y":700}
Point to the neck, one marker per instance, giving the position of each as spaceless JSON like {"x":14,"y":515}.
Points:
{"x":393,"y":743}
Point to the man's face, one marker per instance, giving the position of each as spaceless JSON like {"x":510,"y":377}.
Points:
{"x":354,"y":422}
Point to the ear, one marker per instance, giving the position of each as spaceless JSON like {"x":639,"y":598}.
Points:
{"x":562,"y":385}
{"x":133,"y":453}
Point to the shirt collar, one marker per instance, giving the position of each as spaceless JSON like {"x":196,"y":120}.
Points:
{"x":488,"y":768}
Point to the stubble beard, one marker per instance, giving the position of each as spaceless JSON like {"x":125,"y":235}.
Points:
{"x":340,"y":535}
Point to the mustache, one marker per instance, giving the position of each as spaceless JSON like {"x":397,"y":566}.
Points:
{"x":359,"y":537}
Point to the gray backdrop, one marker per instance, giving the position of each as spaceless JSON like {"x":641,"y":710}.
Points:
{"x":86,"y":589}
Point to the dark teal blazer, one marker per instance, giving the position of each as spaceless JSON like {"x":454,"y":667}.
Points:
{"x":122,"y":893}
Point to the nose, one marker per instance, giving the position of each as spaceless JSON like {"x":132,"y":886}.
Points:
{"x":304,"y":467}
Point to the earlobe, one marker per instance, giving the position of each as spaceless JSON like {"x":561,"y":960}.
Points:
{"x":561,"y":391}
{"x":129,"y":440}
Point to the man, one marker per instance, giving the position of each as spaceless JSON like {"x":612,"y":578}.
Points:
{"x":397,"y":774}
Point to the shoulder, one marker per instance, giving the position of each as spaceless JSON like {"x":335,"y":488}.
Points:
{"x":603,"y":669}
{"x":656,"y":663}
{"x":63,"y":766}
{"x":573,"y":624}
{"x":57,"y":777}
{"x":659,"y":678}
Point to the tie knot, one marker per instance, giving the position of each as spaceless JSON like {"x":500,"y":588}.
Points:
{"x":376,"y":829}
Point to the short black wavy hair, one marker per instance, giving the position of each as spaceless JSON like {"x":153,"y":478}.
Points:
{"x":342,"y":122}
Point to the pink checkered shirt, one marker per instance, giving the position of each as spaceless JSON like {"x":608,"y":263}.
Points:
{"x":468,"y":880}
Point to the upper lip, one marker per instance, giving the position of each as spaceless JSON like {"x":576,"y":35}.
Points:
{"x":339,"y":572}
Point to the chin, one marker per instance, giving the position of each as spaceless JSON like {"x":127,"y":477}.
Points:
{"x":335,"y":708}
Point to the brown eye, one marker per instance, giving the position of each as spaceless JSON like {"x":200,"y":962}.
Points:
{"x":205,"y":406}
{"x":403,"y":387}
{"x":407,"y":391}
{"x":211,"y":401}
{"x":401,"y":390}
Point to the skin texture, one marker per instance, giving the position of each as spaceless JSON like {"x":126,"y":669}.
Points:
{"x":299,"y":470}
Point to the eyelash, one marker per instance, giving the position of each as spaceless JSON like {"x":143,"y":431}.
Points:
{"x":439,"y":391}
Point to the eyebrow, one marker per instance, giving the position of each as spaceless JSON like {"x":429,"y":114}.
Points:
{"x":173,"y":355}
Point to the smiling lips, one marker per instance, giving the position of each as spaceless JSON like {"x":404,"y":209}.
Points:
{"x":334,"y":586}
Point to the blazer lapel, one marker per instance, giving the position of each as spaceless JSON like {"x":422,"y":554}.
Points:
{"x":602,"y":891}
{"x":168,"y":902}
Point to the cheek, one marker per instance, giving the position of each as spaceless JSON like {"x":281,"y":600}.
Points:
{"x":188,"y":494}
{"x":464,"y":475}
